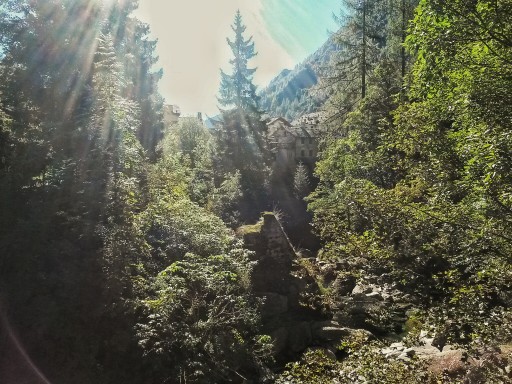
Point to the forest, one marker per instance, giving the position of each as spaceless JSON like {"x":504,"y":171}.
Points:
{"x":132,"y":251}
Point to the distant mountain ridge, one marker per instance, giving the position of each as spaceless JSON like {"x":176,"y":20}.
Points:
{"x":291,"y":94}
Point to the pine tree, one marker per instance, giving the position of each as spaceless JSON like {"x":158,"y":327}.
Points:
{"x":241,"y":141}
{"x":301,"y":182}
{"x":237,"y":89}
{"x":360,"y":38}
{"x":399,"y":13}
{"x":68,"y":126}
{"x":243,"y":129}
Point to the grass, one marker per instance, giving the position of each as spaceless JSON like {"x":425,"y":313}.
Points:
{"x":251,"y":228}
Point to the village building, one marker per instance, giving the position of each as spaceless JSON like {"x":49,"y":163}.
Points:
{"x":295,"y":142}
{"x":171,"y":114}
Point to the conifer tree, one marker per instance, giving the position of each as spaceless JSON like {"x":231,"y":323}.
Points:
{"x":301,"y":182}
{"x":360,"y":38}
{"x":242,"y":115}
{"x":237,"y":90}
{"x":241,"y":141}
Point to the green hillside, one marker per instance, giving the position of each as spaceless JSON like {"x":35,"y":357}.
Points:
{"x":292,"y":93}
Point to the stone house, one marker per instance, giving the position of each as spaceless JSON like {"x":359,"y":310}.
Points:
{"x":294,"y":142}
{"x":171,"y":114}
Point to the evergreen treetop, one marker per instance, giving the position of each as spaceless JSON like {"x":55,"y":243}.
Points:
{"x":237,"y":90}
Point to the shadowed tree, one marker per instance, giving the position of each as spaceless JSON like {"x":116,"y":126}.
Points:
{"x":242,"y":138}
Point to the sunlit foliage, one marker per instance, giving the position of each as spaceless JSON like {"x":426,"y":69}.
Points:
{"x":241,"y":139}
{"x":416,"y":188}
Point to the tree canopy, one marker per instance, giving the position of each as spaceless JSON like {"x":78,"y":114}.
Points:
{"x":119,"y":258}
{"x":237,"y":89}
{"x":241,"y":139}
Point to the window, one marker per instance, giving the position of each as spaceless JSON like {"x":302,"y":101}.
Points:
{"x":310,"y":153}
{"x":302,"y":140}
{"x":310,"y":140}
{"x":302,"y":153}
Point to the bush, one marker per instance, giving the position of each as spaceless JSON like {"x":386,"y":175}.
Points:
{"x":201,"y":320}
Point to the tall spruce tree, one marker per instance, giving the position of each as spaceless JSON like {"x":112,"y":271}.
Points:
{"x":237,"y":90}
{"x":361,"y":36}
{"x":241,"y":139}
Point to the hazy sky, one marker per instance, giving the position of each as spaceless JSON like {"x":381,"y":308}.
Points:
{"x":192,"y":41}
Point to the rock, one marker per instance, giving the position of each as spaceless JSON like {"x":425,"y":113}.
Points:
{"x":426,"y":351}
{"x":344,"y":284}
{"x":273,"y":304}
{"x":403,"y":356}
{"x":329,"y":331}
{"x":390,"y":352}
{"x":427,"y":341}
{"x":448,"y":362}
{"x":375,"y":295}
{"x":397,"y":346}
{"x":280,"y":339}
{"x":274,"y":255}
{"x":399,"y":351}
{"x":358,"y":297}
{"x":363,"y":289}
{"x":299,"y":336}
{"x":326,"y":323}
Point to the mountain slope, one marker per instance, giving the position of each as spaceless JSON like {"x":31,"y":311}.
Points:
{"x":291,"y":93}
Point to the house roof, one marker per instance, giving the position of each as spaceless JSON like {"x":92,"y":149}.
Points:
{"x":281,"y":119}
{"x":307,"y":126}
{"x":314,"y":118}
{"x":212,"y":122}
{"x":304,"y":131}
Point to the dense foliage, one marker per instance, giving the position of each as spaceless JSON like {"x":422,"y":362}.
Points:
{"x":241,"y":138}
{"x":105,"y":237}
{"x":118,"y":261}
{"x":416,"y":189}
{"x":201,"y":321}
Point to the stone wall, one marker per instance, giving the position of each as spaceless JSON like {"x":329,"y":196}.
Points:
{"x":292,"y":325}
{"x":274,"y":255}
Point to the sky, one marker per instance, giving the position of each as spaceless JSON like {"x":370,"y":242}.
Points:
{"x":192,"y":42}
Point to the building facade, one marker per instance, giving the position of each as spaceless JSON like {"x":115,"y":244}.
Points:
{"x":171,"y":114}
{"x":295,"y":142}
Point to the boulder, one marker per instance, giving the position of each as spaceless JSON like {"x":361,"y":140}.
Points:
{"x":361,"y":289}
{"x":273,"y":304}
{"x":374,"y":295}
{"x":343,"y":285}
{"x":328,"y":331}
{"x":299,"y":336}
{"x":280,"y":339}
